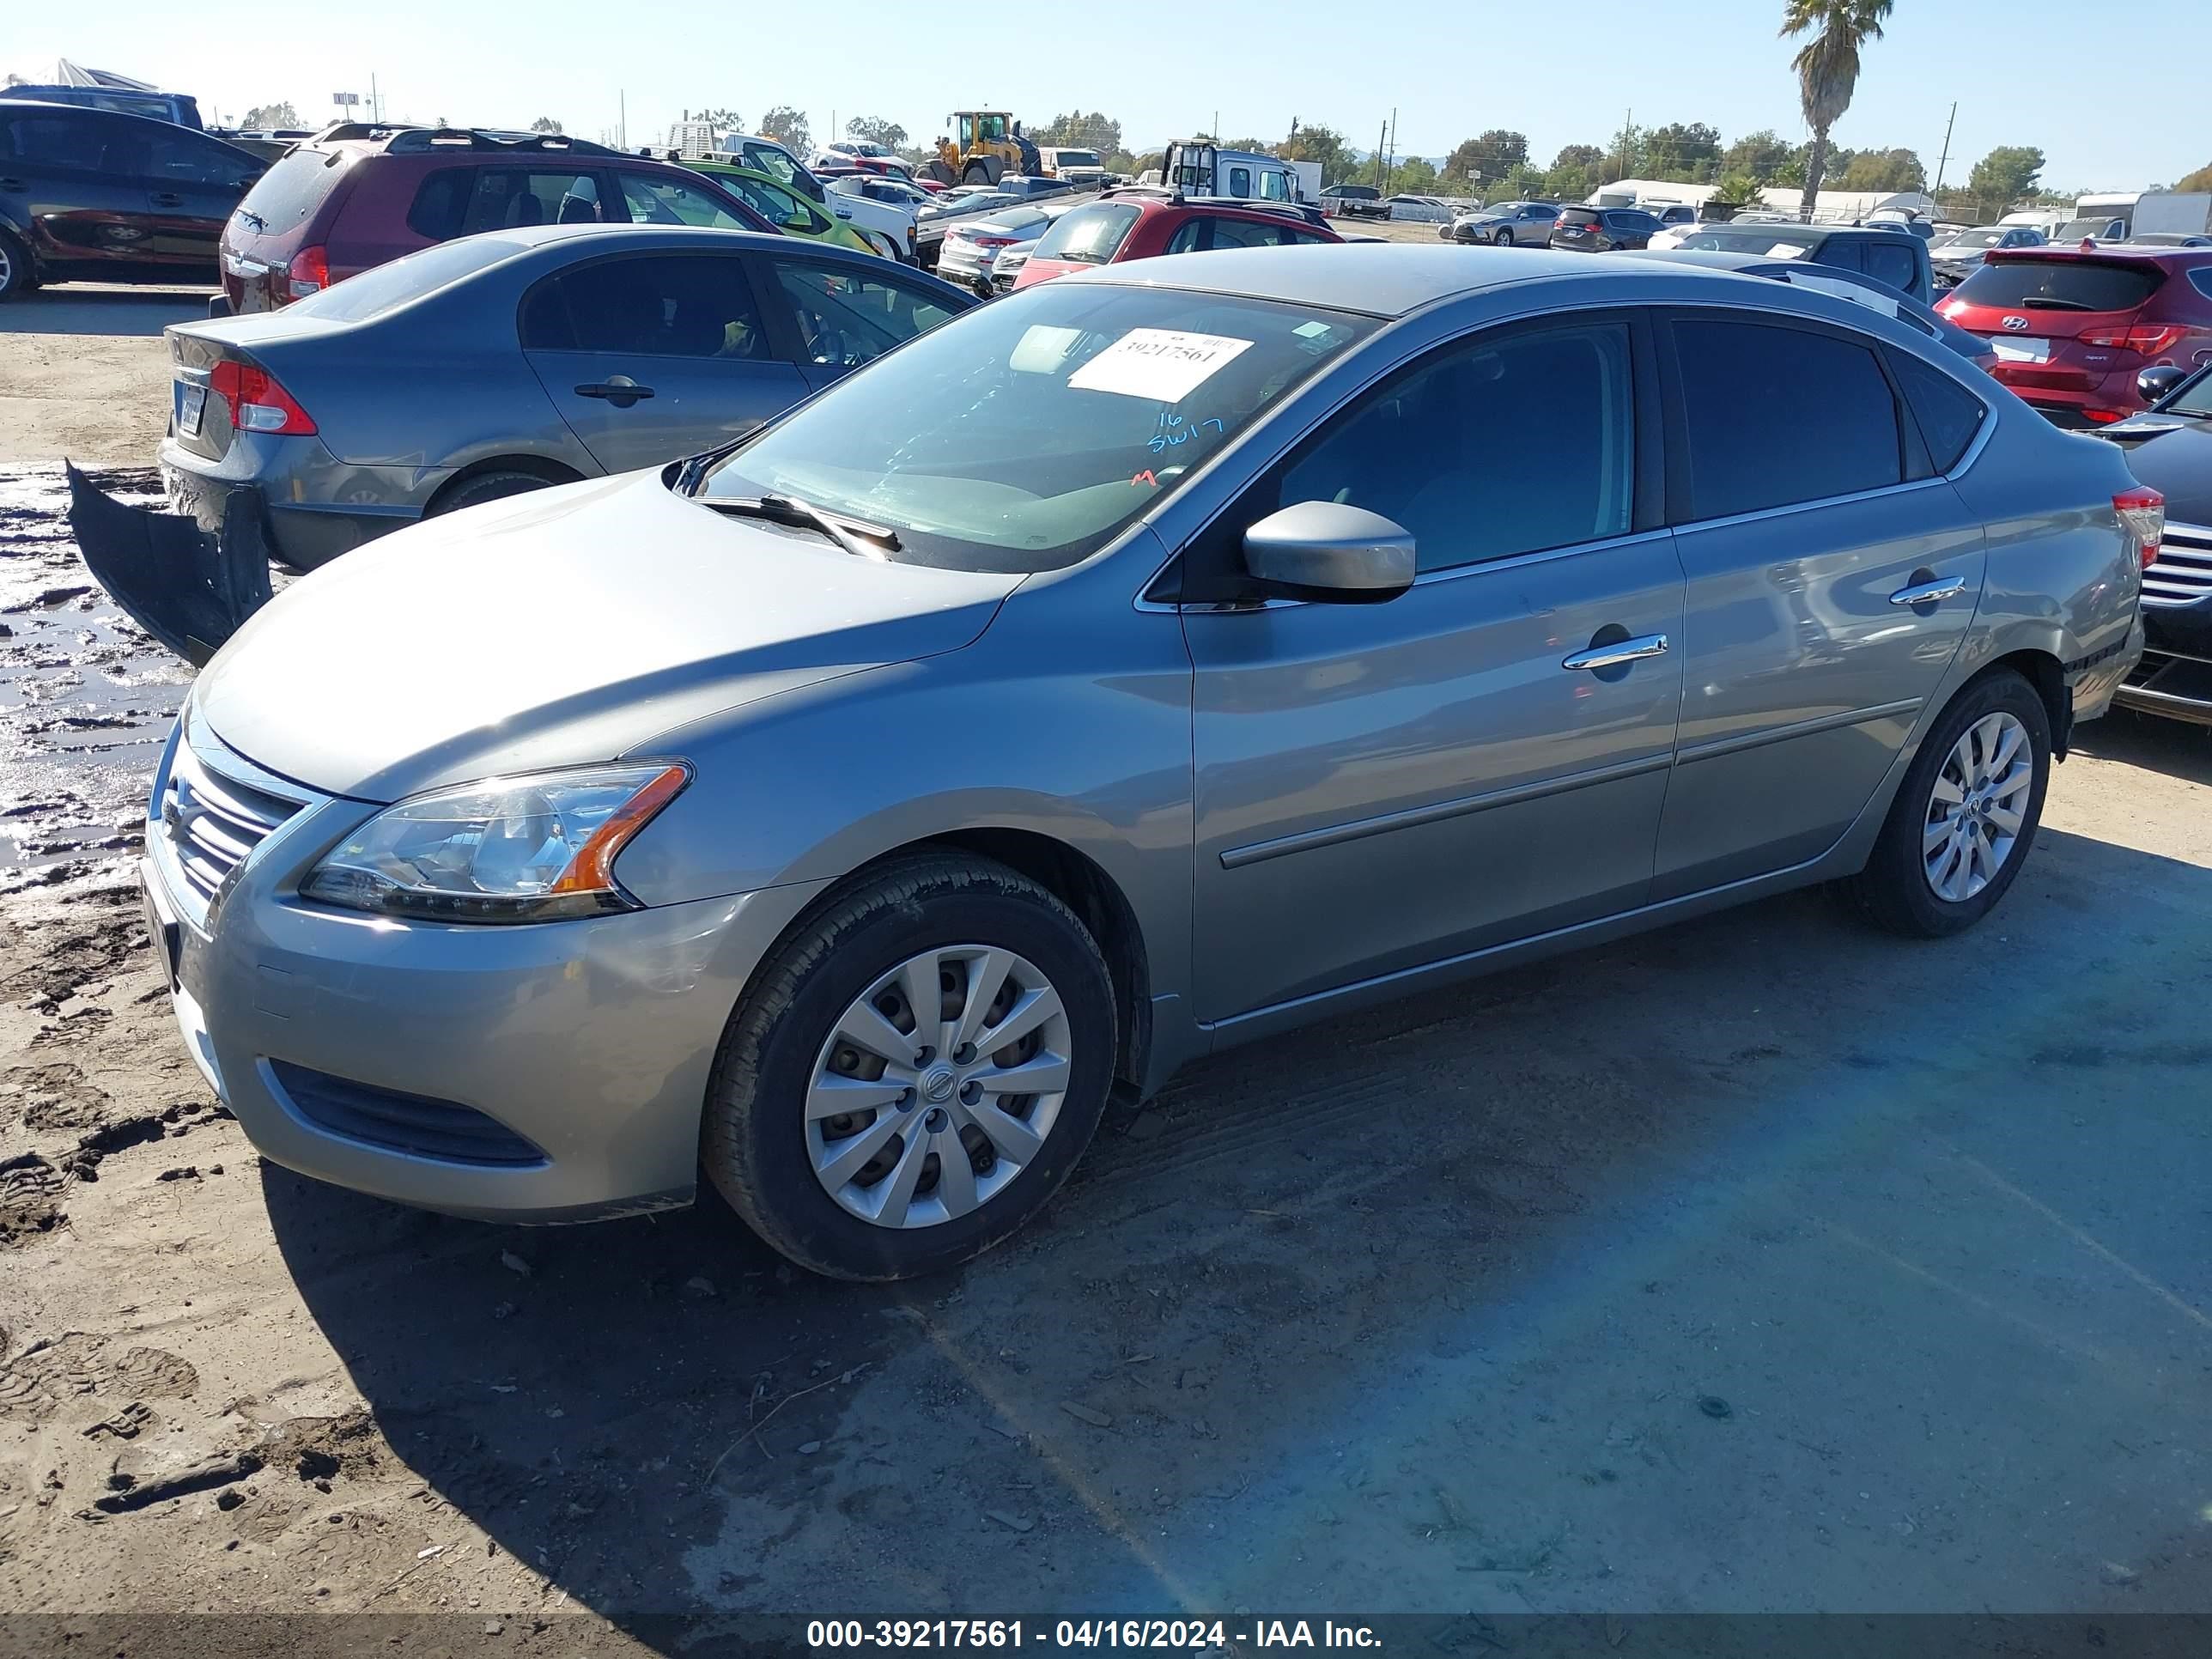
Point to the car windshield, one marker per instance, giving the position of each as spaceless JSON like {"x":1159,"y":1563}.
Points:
{"x":1030,"y":432}
{"x":1077,"y":158}
{"x":1093,"y":235}
{"x":388,"y":287}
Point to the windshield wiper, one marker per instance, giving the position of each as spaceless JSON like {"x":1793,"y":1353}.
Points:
{"x":789,"y":509}
{"x":697,"y":466}
{"x":2043,"y":303}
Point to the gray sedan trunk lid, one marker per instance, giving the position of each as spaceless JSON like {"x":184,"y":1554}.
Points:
{"x":556,"y":628}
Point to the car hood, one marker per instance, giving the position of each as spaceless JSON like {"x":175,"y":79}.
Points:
{"x":557,"y":628}
{"x":2176,"y":462}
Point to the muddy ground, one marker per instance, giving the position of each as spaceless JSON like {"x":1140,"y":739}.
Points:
{"x":1762,"y":1264}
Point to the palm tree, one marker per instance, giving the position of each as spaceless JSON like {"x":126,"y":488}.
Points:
{"x":1827,"y":68}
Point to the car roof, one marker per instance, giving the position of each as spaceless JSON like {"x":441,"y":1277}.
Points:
{"x":1392,"y":279}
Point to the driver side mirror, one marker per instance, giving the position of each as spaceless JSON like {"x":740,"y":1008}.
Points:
{"x":1330,"y":553}
{"x":2158,"y":380}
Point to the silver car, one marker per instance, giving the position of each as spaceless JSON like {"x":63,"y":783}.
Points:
{"x":510,"y":361}
{"x":1154,"y":660}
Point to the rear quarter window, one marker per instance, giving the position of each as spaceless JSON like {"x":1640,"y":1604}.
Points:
{"x":2060,"y":285}
{"x":1948,"y":415}
{"x":286,"y":196}
{"x":2201,"y":280}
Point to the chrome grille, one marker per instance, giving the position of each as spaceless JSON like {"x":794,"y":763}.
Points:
{"x":212,"y":820}
{"x":2182,"y":572}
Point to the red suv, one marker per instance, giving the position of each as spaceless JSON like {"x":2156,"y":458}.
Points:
{"x":2072,"y":328}
{"x":358,"y":195}
{"x":1119,"y":228}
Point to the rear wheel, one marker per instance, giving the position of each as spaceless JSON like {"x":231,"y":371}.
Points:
{"x":1966,"y":815}
{"x":484,"y":487}
{"x":913,"y":1073}
{"x":17,"y":275}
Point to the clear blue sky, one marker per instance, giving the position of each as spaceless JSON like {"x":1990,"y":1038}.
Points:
{"x":2088,"y":84}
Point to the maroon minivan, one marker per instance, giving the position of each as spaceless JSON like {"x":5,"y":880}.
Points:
{"x":2073,"y":327}
{"x":358,"y":195}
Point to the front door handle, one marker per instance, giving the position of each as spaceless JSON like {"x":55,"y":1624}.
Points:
{"x":1619,"y":653}
{"x":13,"y":185}
{"x":1928,"y":593}
{"x":622,"y":392}
{"x":168,"y":199}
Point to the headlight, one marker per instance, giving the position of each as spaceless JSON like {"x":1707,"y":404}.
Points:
{"x":530,"y":849}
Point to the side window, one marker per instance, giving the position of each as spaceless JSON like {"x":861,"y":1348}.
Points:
{"x":1190,"y":235}
{"x":462,"y":201}
{"x":849,"y":317}
{"x":1243,"y":233}
{"x":655,"y":201}
{"x":1894,"y":264}
{"x":1948,"y":414}
{"x":656,"y":305}
{"x":1841,"y":251}
{"x":1496,"y":447}
{"x":59,"y":141}
{"x":2200,"y":278}
{"x":1775,"y":416}
{"x":1275,"y":186}
{"x":177,"y":157}
{"x":1240,"y":181}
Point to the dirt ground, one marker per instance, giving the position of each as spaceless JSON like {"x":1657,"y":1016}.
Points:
{"x":1764,"y":1264}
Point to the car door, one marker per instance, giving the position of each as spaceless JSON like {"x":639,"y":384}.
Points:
{"x":648,"y":357}
{"x":829,"y":317}
{"x":1382,"y":786}
{"x":66,"y":181}
{"x":193,"y":185}
{"x":1832,"y":577}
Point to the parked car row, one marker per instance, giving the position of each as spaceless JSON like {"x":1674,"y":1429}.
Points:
{"x":1266,"y":573}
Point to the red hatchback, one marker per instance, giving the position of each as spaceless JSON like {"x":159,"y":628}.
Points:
{"x":2072,"y":328}
{"x":1119,"y":228}
{"x":357,"y":197}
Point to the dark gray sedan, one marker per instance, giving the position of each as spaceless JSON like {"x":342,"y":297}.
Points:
{"x":510,"y":361}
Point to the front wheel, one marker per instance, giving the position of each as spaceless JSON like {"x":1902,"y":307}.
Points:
{"x":1966,"y":815}
{"x":915,"y":1072}
{"x":1504,"y":237}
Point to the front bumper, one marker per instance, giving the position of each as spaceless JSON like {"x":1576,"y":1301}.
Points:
{"x":592,"y":1040}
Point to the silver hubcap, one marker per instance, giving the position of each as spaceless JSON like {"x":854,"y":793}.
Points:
{"x":7,"y":268}
{"x":1976,"y":808}
{"x":939,"y":1086}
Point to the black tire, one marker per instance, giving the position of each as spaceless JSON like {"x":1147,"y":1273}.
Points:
{"x":753,"y":1144}
{"x":485,"y":487}
{"x":18,"y":275}
{"x":1893,"y":890}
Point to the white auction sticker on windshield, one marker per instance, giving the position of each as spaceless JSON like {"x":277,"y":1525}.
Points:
{"x":1164,"y":364}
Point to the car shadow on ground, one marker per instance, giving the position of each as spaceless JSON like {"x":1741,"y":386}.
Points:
{"x":90,"y":309}
{"x":2177,"y":748}
{"x":662,"y":1419}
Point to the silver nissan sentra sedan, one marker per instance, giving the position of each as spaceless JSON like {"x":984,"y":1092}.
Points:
{"x":1153,"y":662}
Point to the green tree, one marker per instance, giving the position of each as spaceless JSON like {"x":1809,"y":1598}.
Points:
{"x":1683,"y":153}
{"x":1078,"y":131}
{"x":1415,"y":176}
{"x":263,"y":116}
{"x":1884,"y":170}
{"x":1827,"y":68}
{"x":2200,"y":179}
{"x":1315,"y":143}
{"x":2005,"y":175}
{"x":545,"y":124}
{"x":1737,"y":190}
{"x":1623,"y":157}
{"x":1487,"y":159}
{"x":721,"y":120}
{"x":1756,"y":155}
{"x":788,"y":126}
{"x":1573,"y":173}
{"x":874,"y":129}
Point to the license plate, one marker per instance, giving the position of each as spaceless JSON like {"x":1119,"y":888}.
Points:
{"x":191,"y":409}
{"x":2020,"y":351}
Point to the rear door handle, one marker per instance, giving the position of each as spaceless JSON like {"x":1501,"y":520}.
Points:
{"x":14,"y":186}
{"x":1619,"y":653}
{"x":168,"y":199}
{"x":1944,"y":587}
{"x":621,"y":393}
